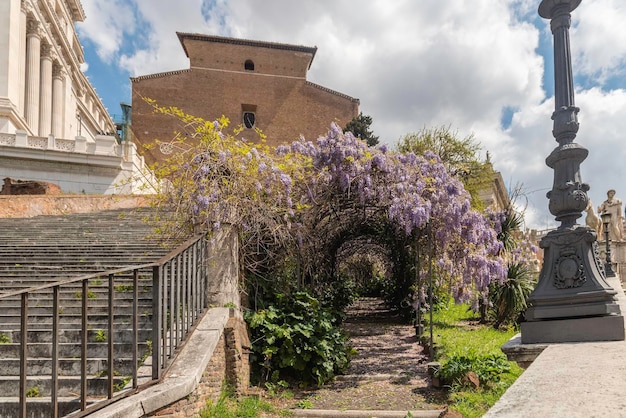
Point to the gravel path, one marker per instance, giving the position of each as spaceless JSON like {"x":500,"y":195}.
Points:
{"x":387,"y":373}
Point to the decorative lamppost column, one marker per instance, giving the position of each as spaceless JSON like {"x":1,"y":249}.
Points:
{"x":572,"y":300}
{"x":608,"y":265}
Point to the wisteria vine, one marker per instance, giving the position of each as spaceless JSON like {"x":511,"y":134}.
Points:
{"x":299,"y":197}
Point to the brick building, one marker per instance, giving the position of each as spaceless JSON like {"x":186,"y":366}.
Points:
{"x":257,"y":84}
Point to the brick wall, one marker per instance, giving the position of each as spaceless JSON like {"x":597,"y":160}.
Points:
{"x":237,"y":355}
{"x":286,"y":105}
{"x":228,"y":365}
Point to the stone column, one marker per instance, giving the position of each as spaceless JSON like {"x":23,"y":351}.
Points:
{"x":58,"y":99}
{"x":572,"y":300}
{"x":21,"y":60}
{"x":45,"y":92}
{"x":33,"y":68}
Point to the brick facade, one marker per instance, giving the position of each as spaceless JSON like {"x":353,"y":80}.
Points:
{"x":237,"y":353}
{"x":230,"y":76}
{"x":229,"y":364}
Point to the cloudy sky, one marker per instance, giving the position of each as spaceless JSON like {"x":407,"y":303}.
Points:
{"x":478,"y":66}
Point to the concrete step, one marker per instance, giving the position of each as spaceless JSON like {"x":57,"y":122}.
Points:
{"x":69,"y":290}
{"x":71,"y":319}
{"x":68,"y":385}
{"x":73,"y":350}
{"x":67,"y":366}
{"x":120,"y":334}
{"x":123,"y":308}
{"x":38,"y":407}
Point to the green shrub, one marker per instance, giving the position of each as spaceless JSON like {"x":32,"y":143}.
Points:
{"x":336,"y":296}
{"x":508,"y":300}
{"x":101,"y":336}
{"x":488,"y":368}
{"x":33,"y":392}
{"x":4,"y":338}
{"x":297,"y":337}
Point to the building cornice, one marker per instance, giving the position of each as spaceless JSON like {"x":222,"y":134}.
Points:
{"x":76,"y":7}
{"x":159,"y":75}
{"x":336,"y":93}
{"x":36,"y":154}
{"x":182,"y":36}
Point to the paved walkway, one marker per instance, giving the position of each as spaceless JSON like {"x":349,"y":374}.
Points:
{"x":571,"y":380}
{"x":386,"y":378}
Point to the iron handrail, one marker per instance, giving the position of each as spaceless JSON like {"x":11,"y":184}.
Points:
{"x":179,"y":283}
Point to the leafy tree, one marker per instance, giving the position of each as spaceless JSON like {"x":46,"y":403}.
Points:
{"x":360,"y":127}
{"x":460,"y":156}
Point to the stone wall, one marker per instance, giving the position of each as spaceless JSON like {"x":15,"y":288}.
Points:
{"x":229,"y":365}
{"x":26,"y":187}
{"x":35,"y":205}
{"x":223,"y":268}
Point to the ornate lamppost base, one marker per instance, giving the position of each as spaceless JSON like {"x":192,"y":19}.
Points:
{"x":572,"y":301}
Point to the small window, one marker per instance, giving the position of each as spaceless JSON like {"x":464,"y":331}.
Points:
{"x":249,"y":119}
{"x":249,"y":65}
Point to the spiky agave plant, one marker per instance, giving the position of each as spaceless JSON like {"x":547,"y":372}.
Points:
{"x":508,"y":299}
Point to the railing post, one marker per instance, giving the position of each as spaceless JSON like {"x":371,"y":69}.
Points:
{"x":157,"y":324}
{"x":110,"y":358}
{"x":83,"y":347}
{"x":184,"y":295}
{"x":23,"y":353}
{"x":186,"y":268}
{"x":54,"y":389}
{"x":177,"y":322}
{"x":135,"y":326}
{"x":194,"y":276}
{"x":172,"y":316}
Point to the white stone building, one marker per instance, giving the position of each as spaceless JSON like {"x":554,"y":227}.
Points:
{"x":53,"y":125}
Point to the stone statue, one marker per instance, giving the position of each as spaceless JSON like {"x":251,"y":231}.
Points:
{"x":592,"y":219}
{"x":613,"y":206}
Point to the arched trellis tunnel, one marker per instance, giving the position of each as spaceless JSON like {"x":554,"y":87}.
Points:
{"x":297,"y":206}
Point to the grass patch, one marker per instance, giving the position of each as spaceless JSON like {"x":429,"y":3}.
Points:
{"x":33,"y":392}
{"x":461,"y":339}
{"x":101,"y":336}
{"x":90,"y":295}
{"x":124,"y":288}
{"x":229,"y":407}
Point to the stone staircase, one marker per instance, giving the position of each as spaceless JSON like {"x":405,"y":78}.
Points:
{"x":48,"y":249}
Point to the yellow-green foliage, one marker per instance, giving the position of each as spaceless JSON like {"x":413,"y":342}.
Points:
{"x":460,"y":156}
{"x":220,"y":177}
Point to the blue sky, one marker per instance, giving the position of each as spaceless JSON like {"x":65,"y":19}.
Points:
{"x":478,"y":66}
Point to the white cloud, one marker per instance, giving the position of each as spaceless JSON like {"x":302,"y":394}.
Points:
{"x":599,"y":39}
{"x":106,"y":25}
{"x":163,"y":52}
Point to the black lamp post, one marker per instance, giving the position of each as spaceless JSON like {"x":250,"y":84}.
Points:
{"x":572,"y":300}
{"x":608,"y":266}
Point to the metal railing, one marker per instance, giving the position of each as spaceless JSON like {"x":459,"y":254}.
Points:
{"x":178,"y":300}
